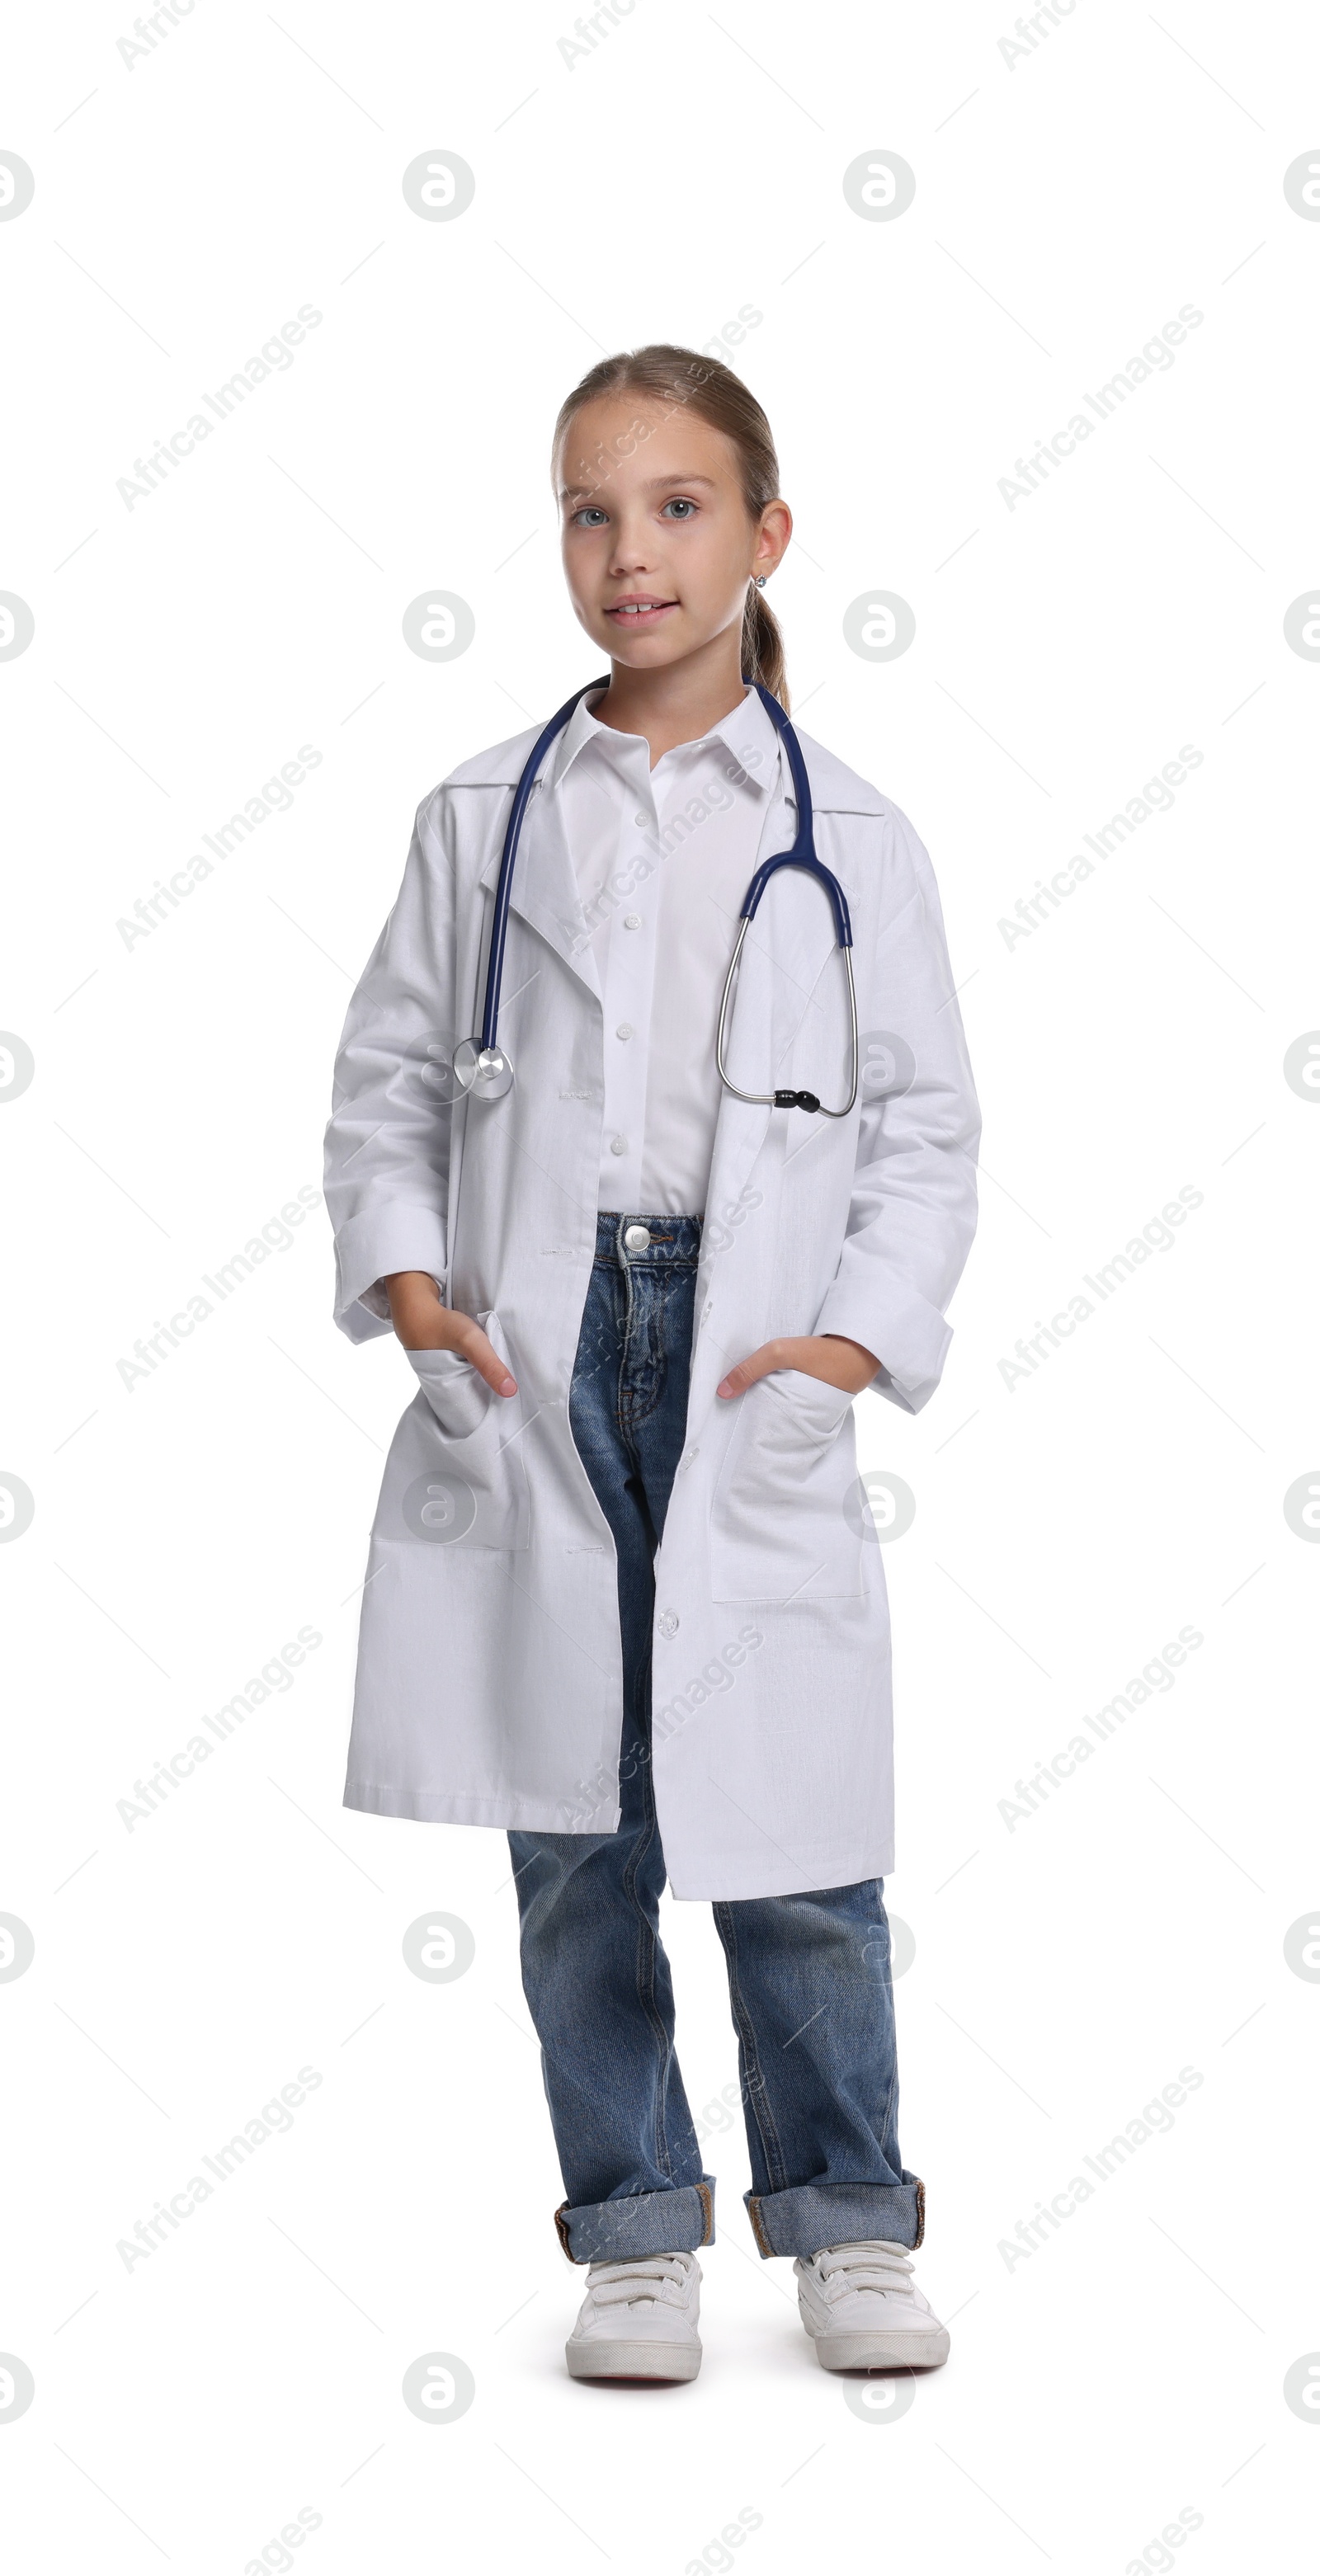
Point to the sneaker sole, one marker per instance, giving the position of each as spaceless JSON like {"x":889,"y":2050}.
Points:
{"x":658,"y":2361}
{"x":883,"y":2352}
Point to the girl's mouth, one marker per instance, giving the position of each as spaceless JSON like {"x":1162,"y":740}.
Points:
{"x":640,"y":611}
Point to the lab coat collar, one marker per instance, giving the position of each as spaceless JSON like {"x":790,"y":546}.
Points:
{"x":835,"y":788}
{"x":545,"y":890}
{"x":746,"y":732}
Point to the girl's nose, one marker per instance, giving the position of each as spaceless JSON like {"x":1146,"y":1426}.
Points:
{"x":631,"y":552}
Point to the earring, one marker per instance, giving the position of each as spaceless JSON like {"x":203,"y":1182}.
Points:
{"x":760,"y":581}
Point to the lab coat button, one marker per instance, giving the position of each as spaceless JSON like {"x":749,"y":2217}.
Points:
{"x":624,"y":1029}
{"x":641,"y":821}
{"x":632,"y":921}
{"x":618,"y":1144}
{"x":708,"y":1310}
{"x":667,"y":1622}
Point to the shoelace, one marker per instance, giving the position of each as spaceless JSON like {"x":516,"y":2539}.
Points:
{"x":871,"y":2266}
{"x":646,"y":2278}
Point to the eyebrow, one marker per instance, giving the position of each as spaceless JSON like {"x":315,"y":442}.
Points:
{"x":658,"y":483}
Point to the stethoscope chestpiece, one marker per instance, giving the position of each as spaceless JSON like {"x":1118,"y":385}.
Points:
{"x":483,"y":1072}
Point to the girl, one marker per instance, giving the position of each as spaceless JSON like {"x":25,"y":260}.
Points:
{"x":624,"y":1597}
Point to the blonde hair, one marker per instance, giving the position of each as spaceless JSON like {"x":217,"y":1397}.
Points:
{"x":714,"y":394}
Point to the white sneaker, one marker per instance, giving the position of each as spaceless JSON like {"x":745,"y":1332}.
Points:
{"x":863,"y":2310}
{"x":639,"y":2320}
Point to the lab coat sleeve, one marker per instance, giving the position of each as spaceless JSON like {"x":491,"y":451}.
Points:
{"x":387,"y":1144}
{"x":913,"y":1210}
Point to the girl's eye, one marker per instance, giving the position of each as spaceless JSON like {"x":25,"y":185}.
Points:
{"x":684,"y":507}
{"x":590,"y":517}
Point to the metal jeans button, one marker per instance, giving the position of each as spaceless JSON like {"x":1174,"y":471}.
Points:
{"x":636,"y":1237}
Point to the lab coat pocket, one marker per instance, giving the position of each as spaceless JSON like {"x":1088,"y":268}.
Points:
{"x":779,"y":1530}
{"x":456,"y":1475}
{"x":456,"y":1391}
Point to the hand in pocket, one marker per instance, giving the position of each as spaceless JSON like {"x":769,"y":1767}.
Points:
{"x":424,"y":1323}
{"x":831,"y":1357}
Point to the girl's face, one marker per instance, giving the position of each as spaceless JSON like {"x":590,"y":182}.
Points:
{"x":658,"y":545}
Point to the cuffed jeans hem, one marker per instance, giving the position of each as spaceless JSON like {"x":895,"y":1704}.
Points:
{"x":838,"y":2213}
{"x":641,"y":2222}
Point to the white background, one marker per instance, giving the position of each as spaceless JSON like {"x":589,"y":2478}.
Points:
{"x":1067,"y":205}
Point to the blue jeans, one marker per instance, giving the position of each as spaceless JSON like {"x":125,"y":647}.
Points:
{"x":809,"y":1981}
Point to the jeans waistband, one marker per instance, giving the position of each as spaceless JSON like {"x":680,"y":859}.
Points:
{"x":669,"y":1239}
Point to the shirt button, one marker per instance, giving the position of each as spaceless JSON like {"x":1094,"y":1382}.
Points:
{"x":708,"y":1310}
{"x":641,"y":821}
{"x":618,"y":1144}
{"x":624,"y":1029}
{"x":632,"y":921}
{"x":690,"y":1456}
{"x":667,"y":1623}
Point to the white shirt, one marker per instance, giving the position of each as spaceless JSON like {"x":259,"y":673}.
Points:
{"x":663,"y":858}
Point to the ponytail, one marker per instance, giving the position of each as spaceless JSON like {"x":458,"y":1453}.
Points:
{"x":763,"y":647}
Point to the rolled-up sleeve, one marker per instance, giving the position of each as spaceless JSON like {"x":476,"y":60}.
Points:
{"x":387,"y":1144}
{"x":913,"y":1210}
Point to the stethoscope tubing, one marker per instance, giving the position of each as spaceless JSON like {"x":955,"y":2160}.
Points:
{"x":786,"y":1099}
{"x":504,"y":882}
{"x":801,"y":855}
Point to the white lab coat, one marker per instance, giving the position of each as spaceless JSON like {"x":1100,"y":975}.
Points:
{"x":489,"y":1686}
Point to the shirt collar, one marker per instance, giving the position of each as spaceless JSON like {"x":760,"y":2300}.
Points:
{"x":747,"y":733}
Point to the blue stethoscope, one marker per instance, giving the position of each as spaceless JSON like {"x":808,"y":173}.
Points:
{"x":481,"y":1066}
